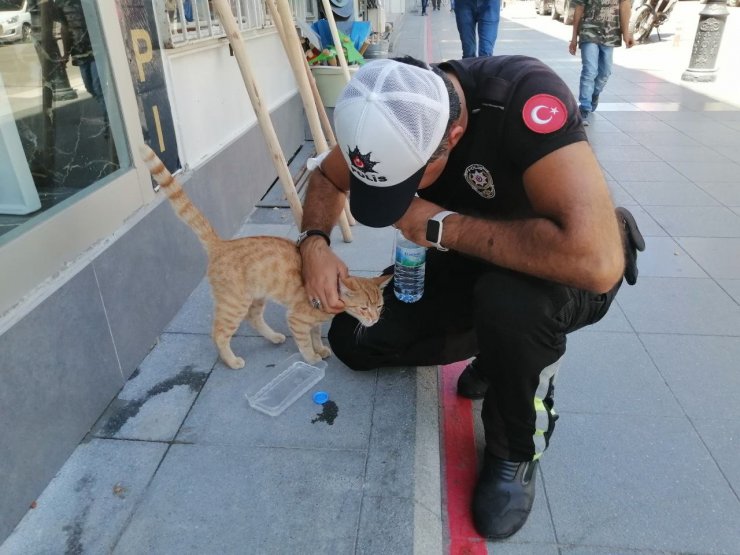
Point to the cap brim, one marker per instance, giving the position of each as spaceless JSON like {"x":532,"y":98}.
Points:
{"x":382,"y":206}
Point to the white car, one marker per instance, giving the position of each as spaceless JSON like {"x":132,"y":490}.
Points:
{"x":15,"y":21}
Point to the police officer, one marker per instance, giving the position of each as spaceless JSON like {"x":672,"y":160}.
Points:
{"x":485,"y":161}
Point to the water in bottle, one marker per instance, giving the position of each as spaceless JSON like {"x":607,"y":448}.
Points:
{"x":408,"y":272}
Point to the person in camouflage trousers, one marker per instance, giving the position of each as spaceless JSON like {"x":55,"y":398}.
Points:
{"x":598,"y":26}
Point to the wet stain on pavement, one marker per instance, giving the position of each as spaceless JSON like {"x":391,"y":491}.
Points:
{"x":128,"y":409}
{"x":74,"y":531}
{"x":328,"y":415}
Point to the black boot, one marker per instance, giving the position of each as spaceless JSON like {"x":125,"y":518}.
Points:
{"x":503,"y":497}
{"x":471,"y":383}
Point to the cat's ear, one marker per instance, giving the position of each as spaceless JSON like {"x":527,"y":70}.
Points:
{"x":344,"y":289}
{"x":382,"y":281}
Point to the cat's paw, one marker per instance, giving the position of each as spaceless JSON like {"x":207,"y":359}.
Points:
{"x":312,"y":358}
{"x":277,"y":338}
{"x":236,"y":363}
{"x":324,"y":352}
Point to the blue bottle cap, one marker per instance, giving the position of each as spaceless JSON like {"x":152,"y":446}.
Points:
{"x":320,"y":397}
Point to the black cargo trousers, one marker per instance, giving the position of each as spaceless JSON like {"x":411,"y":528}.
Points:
{"x":515,"y":324}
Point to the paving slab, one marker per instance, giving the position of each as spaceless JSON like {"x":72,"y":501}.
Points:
{"x":722,"y":438}
{"x":598,"y":364}
{"x":732,"y":287}
{"x":88,"y":503}
{"x":155,"y":400}
{"x":228,"y":499}
{"x":667,"y":258}
{"x":715,"y":255}
{"x":636,"y":483}
{"x":683,"y":362}
{"x":668,"y":193}
{"x":677,"y":305}
{"x":222,"y":415}
{"x":727,"y":193}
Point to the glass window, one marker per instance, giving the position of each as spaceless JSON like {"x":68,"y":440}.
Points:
{"x":61,"y":133}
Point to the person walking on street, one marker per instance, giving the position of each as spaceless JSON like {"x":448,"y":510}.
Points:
{"x":598,"y":26}
{"x":477,"y":25}
{"x":485,"y":162}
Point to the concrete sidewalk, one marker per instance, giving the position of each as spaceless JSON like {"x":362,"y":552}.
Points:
{"x":644,"y":459}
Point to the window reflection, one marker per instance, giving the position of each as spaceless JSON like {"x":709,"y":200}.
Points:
{"x":57,"y":108}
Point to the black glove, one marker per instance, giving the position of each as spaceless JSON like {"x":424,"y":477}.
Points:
{"x":633,"y":242}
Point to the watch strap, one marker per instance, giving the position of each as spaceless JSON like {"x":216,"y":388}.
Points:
{"x":439,"y":217}
{"x":310,"y":233}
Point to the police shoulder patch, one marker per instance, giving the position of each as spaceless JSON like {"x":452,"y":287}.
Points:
{"x":544,"y":113}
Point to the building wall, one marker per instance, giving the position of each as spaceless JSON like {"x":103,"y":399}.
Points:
{"x":77,"y":329}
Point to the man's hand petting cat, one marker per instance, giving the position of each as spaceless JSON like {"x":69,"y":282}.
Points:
{"x":321,"y":272}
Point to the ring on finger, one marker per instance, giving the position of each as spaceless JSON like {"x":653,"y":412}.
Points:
{"x":315,"y":303}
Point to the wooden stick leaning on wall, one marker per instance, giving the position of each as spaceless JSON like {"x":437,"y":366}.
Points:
{"x":325,"y":123}
{"x":335,"y":36}
{"x":312,"y":104}
{"x":240,"y":53}
{"x":345,"y":71}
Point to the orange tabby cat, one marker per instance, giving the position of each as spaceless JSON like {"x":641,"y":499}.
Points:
{"x":244,"y":273}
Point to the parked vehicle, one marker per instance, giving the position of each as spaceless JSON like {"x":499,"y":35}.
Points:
{"x":563,"y":9}
{"x":648,"y":15}
{"x":543,"y":7}
{"x":15,"y":21}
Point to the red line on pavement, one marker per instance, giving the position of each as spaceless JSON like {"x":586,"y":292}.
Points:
{"x":460,"y":462}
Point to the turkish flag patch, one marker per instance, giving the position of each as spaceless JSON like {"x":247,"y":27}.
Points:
{"x":544,"y":113}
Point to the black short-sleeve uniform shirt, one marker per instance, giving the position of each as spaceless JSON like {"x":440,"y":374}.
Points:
{"x":519,"y":111}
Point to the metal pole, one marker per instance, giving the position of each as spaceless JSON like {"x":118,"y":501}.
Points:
{"x":703,"y":63}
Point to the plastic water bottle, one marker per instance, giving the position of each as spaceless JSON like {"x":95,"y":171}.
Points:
{"x":408,"y":272}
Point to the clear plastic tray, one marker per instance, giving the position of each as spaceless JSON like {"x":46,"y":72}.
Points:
{"x":272,"y":390}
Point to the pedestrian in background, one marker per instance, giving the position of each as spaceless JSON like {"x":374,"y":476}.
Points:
{"x":424,"y":4}
{"x":477,"y":19}
{"x":77,"y":46}
{"x":598,"y":26}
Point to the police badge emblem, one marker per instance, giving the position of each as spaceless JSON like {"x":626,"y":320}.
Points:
{"x":479,"y":178}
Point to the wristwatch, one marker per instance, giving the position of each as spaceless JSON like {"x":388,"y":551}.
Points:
{"x":310,"y":232}
{"x":434,"y":229}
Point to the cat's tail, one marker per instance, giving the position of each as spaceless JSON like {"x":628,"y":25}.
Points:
{"x":182,"y":204}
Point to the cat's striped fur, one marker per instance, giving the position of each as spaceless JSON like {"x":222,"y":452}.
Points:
{"x":244,"y":273}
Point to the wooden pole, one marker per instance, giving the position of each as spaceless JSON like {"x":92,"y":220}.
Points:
{"x":284,"y":23}
{"x":335,"y":36}
{"x":325,"y":123}
{"x":281,"y":165}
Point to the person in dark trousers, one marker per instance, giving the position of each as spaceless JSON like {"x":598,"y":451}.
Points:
{"x":477,"y":24}
{"x":77,"y":46}
{"x":598,"y":26}
{"x":485,"y":162}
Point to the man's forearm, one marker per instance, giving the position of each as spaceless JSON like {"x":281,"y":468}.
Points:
{"x":577,"y":17}
{"x":324,"y":203}
{"x":539,"y":247}
{"x":625,"y":11}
